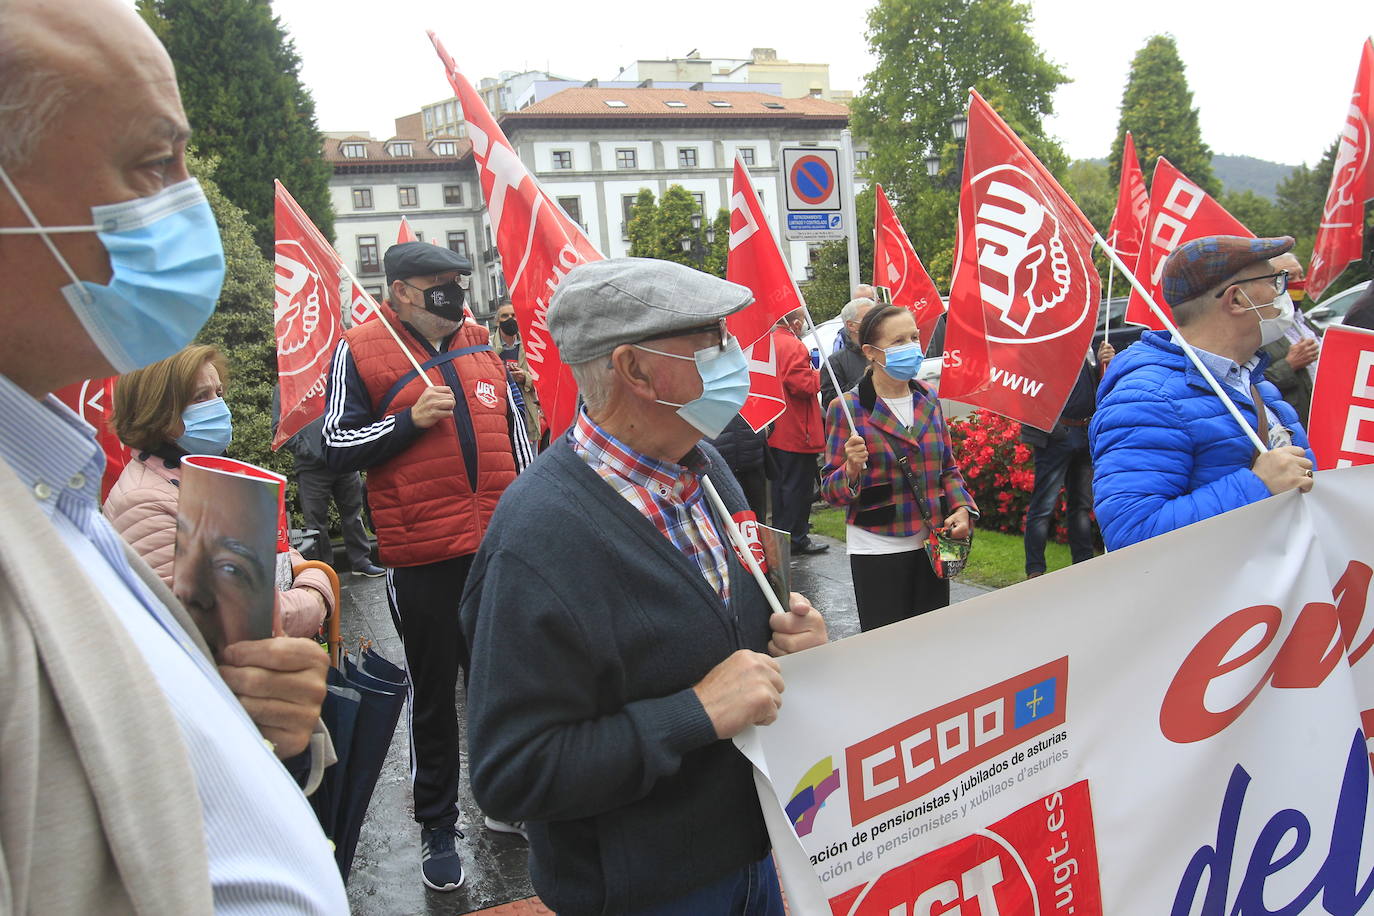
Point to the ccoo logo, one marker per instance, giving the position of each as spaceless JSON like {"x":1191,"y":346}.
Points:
{"x":1029,"y":274}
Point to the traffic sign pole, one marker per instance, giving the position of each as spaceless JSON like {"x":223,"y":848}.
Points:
{"x":847,"y":202}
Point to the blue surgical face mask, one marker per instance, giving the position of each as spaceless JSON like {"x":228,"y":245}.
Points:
{"x":167,"y":268}
{"x":724,"y":387}
{"x":903,"y":362}
{"x":209,"y":428}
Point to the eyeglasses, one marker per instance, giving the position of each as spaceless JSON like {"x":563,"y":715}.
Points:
{"x":1280,"y":283}
{"x":717,"y":327}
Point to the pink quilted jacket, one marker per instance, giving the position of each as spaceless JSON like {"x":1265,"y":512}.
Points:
{"x":142,"y":507}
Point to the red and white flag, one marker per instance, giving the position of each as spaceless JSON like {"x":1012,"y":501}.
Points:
{"x":1180,"y":211}
{"x":756,"y":261}
{"x":1340,"y":235}
{"x":538,"y":243}
{"x":896,"y":267}
{"x":307,"y":314}
{"x":1341,"y":422}
{"x":1127,"y":230}
{"x":93,"y":401}
{"x":405,"y":234}
{"x":1023,"y":302}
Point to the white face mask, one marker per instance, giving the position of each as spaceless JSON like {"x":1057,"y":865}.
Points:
{"x":1271,"y":329}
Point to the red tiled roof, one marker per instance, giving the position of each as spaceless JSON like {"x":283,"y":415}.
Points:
{"x":640,"y":103}
{"x":376,"y":150}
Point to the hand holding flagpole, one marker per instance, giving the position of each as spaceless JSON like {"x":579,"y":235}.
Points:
{"x":741,"y":545}
{"x":1169,"y":325}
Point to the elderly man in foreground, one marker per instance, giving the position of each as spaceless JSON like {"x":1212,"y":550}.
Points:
{"x":1166,"y":452}
{"x":134,"y":775}
{"x":617,"y":651}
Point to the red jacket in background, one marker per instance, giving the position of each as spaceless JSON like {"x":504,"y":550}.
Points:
{"x":799,"y":428}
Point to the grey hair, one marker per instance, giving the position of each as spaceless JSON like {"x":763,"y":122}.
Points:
{"x":850,"y":312}
{"x":32,"y":94}
{"x":595,"y":380}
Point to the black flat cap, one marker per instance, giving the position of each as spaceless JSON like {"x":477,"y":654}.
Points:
{"x":420,"y":259}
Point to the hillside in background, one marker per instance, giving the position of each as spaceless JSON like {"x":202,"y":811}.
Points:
{"x":1243,"y":173}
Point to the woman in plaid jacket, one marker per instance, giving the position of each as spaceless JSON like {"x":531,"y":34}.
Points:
{"x":885,"y":530}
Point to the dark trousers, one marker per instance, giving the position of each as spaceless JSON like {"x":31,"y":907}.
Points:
{"x":424,"y":608}
{"x":751,"y":891}
{"x":889,"y":587}
{"x":754,"y":483}
{"x":792,"y":491}
{"x":317,"y":488}
{"x":1063,"y":464}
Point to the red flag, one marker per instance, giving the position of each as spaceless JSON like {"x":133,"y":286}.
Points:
{"x":1180,"y":211}
{"x":756,"y":261}
{"x":307,"y":315}
{"x":359,"y":304}
{"x":1341,"y":427}
{"x":1340,"y":236}
{"x":539,"y":244}
{"x":1127,"y":230}
{"x":1024,"y":299}
{"x":896,"y":266}
{"x":405,"y":234}
{"x":93,"y":401}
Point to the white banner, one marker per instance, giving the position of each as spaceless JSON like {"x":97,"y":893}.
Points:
{"x":1173,"y":728}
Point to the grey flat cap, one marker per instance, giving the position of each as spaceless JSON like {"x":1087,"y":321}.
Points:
{"x":604,"y":304}
{"x":420,"y":259}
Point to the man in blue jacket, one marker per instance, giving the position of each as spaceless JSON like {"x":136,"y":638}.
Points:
{"x":1166,"y":452}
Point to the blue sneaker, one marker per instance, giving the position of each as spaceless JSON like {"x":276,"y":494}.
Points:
{"x":440,"y":866}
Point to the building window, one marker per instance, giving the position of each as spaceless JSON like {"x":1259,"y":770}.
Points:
{"x":687,"y":157}
{"x":445,"y":148}
{"x":453,"y":195}
{"x":573,"y":207}
{"x":458,"y":243}
{"x":369,"y":258}
{"x":627,"y":203}
{"x":746,"y":155}
{"x":562,"y":158}
{"x":700,"y":199}
{"x":487,"y":230}
{"x":375,"y":292}
{"x":402,"y":149}
{"x":860,"y":155}
{"x":362,"y":198}
{"x":720,"y":103}
{"x":626,"y":159}
{"x":615,"y":103}
{"x":410,"y":197}
{"x":354,"y":150}
{"x":675,"y":103}
{"x":429,"y":117}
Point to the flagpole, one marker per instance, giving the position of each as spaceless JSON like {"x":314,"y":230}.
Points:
{"x":820,"y":349}
{"x":1187,"y":347}
{"x":741,"y":545}
{"x":1107,"y":317}
{"x":392,"y":331}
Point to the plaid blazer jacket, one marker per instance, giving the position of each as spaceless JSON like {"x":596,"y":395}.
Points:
{"x":883,"y":502}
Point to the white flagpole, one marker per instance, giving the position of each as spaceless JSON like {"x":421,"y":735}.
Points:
{"x":1187,"y":347}
{"x":382,"y":318}
{"x":844,"y":405}
{"x":1107,"y":316}
{"x":741,"y":546}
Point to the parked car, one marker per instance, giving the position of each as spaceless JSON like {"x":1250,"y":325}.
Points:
{"x":1333,"y":310}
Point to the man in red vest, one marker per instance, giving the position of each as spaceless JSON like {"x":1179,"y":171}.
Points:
{"x":439,"y":451}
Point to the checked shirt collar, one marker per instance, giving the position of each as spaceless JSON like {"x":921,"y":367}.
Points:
{"x":676,"y":483}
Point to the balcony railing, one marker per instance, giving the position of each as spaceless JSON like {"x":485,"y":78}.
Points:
{"x":369,"y":267}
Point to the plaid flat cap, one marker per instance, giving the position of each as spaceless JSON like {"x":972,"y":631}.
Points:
{"x":604,"y":304}
{"x":1197,"y":266}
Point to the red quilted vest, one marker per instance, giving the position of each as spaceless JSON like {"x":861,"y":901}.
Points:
{"x":423,"y":503}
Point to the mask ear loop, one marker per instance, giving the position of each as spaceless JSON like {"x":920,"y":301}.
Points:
{"x":42,"y":231}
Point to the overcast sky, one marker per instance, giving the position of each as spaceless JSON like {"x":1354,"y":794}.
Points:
{"x":1272,"y":83}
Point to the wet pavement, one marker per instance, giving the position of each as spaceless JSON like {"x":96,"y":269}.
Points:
{"x":386,"y":871}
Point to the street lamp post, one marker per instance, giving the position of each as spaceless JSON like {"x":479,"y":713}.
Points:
{"x":692,"y":243}
{"x":958,"y":126}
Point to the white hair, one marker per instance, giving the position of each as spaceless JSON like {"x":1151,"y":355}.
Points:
{"x":32,"y":94}
{"x":595,"y":380}
{"x":850,"y":312}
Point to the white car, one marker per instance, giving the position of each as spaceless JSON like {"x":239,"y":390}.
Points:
{"x":1333,"y":310}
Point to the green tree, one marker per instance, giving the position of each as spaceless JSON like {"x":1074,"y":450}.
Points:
{"x":929,"y":53}
{"x":242,"y":326}
{"x":1092,"y":188}
{"x":640,"y":229}
{"x":673,"y":225}
{"x":240,"y":85}
{"x":718,"y":248}
{"x":1157,"y":108}
{"x":1258,"y":214}
{"x":1300,"y":198}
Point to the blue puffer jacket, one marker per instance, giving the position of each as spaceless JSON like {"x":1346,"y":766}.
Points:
{"x":1166,"y":453}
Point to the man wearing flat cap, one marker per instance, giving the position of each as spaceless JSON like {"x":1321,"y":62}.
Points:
{"x":1166,"y":451}
{"x":609,"y":673}
{"x":439,"y":452}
